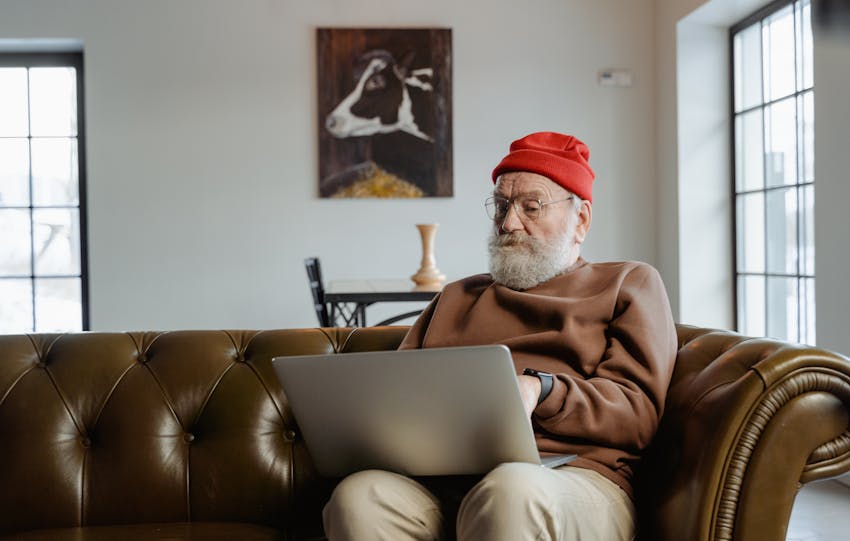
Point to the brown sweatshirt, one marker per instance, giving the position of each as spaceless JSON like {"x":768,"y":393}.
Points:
{"x":603,"y":329}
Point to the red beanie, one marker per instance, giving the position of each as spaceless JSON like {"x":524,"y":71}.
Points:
{"x":562,"y":158}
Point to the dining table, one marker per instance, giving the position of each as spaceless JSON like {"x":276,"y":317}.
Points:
{"x":347,"y":299}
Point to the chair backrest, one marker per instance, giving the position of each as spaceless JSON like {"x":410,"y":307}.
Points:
{"x":317,"y":288}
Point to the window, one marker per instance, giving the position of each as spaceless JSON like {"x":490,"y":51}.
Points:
{"x":773,"y":114}
{"x":42,"y":197}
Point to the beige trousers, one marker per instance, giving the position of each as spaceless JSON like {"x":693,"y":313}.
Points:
{"x":513,"y":502}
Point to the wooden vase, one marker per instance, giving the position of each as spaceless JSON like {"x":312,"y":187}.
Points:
{"x":428,"y":274}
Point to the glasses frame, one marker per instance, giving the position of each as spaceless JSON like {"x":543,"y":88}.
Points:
{"x":514,"y":202}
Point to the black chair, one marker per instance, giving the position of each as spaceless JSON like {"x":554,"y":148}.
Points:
{"x":317,"y":288}
{"x":331,"y":315}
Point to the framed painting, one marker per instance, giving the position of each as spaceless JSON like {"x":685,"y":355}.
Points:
{"x":385,"y":112}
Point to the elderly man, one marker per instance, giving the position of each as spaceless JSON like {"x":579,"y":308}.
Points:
{"x":593,"y":344}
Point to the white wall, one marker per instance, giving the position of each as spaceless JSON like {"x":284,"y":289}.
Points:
{"x":202,"y":160}
{"x":704,"y":217}
{"x":832,"y":185}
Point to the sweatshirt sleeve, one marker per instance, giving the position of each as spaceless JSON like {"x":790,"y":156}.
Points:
{"x":620,"y":404}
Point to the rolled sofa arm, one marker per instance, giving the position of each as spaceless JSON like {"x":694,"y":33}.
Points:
{"x":747,"y":422}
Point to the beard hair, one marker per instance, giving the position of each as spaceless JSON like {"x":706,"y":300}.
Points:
{"x":520,"y":261}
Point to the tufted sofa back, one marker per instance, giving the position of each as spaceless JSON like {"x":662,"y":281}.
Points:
{"x":109,"y":428}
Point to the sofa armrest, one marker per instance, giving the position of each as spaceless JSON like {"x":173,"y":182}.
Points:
{"x":747,"y":422}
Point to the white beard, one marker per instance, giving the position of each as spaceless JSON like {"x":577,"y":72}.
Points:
{"x":520,"y":261}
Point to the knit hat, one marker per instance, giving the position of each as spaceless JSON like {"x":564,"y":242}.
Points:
{"x":562,"y":158}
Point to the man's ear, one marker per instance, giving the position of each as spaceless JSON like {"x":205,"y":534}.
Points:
{"x":585,"y":216}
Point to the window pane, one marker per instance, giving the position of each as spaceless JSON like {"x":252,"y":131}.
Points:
{"x":53,"y":101}
{"x":751,"y":305}
{"x":56,"y":241}
{"x":40,"y":233}
{"x":807,"y":230}
{"x":16,"y":308}
{"x":750,"y":232}
{"x":782,"y":231}
{"x":13,"y":102}
{"x":778,"y":39}
{"x":15,"y":249}
{"x":55,"y":171}
{"x":807,"y":127}
{"x":747,"y":45}
{"x":14,"y":172}
{"x":749,"y":151}
{"x":781,"y":155}
{"x":807,"y":311}
{"x":805,"y":60}
{"x":782,"y":308}
{"x":57,"y":305}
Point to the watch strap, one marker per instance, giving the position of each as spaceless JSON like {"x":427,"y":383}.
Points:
{"x":546,"y":382}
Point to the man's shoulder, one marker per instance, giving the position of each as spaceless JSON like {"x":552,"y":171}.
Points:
{"x":623,"y":274}
{"x":628,"y":276}
{"x":624,"y":267}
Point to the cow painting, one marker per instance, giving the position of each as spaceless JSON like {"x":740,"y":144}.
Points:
{"x":381,"y":101}
{"x":384,"y":113}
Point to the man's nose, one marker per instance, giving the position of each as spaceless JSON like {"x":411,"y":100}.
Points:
{"x":512,"y":221}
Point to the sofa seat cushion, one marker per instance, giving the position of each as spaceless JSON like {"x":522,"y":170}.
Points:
{"x":173,"y":531}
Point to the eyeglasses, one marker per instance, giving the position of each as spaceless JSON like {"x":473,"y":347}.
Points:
{"x":525,"y":206}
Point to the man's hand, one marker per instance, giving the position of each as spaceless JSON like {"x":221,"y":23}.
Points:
{"x":529,"y":390}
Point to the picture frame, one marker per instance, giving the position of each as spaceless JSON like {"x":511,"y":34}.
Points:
{"x":384,"y":112}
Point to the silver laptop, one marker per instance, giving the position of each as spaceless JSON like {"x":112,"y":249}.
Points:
{"x":440,"y":411}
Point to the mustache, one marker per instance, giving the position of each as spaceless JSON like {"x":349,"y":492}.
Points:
{"x":514,"y":238}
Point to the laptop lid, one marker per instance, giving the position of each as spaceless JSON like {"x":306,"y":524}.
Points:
{"x":440,"y":411}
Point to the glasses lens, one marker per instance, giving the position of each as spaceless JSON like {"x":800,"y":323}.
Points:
{"x":490,"y":207}
{"x":530,"y":207}
{"x":497,"y":208}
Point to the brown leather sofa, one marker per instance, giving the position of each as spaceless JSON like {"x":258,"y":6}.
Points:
{"x":187,"y":435}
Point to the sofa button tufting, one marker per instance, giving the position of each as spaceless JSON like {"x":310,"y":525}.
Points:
{"x":85,"y":442}
{"x":289,"y":435}
{"x":188,"y":437}
{"x":143,"y":358}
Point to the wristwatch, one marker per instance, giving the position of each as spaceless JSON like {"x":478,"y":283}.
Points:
{"x":546,"y":382}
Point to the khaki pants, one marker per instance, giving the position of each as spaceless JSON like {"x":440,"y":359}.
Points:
{"x":513,"y":502}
